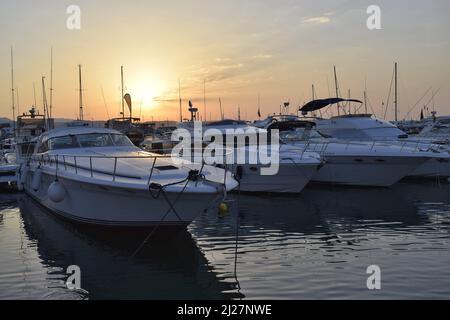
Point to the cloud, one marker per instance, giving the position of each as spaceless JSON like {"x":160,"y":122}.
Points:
{"x":318,"y":20}
{"x":229,"y":66}
{"x":262,"y":56}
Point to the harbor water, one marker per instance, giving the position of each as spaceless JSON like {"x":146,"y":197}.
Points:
{"x":316,"y":245}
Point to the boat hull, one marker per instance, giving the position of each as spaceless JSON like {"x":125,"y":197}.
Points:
{"x":291,"y":178}
{"x":8,"y":173}
{"x":114,"y":206}
{"x":433,"y":168}
{"x":370,"y":171}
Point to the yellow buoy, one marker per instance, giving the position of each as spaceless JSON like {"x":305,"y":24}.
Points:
{"x":223,"y":210}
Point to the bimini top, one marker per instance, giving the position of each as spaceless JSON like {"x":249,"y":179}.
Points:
{"x":291,"y":125}
{"x":61,"y":132}
{"x":322,"y":103}
{"x":226,"y":122}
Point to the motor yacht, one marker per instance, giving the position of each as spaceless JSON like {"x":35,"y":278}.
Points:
{"x":8,"y":166}
{"x":367,"y":128}
{"x":97,"y":176}
{"x":294,"y":169}
{"x":348,"y":162}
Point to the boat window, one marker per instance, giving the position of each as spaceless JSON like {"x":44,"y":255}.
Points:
{"x":121,"y":140}
{"x":93,"y":140}
{"x":43,"y":147}
{"x":64,"y":142}
{"x":300,"y":134}
{"x":27,"y":148}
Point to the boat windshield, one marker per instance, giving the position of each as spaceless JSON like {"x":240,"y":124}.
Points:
{"x":91,"y":140}
{"x":441,"y":130}
{"x":300,"y":134}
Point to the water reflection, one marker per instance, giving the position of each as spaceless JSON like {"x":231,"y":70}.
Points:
{"x":299,"y":247}
{"x":169,"y":266}
{"x":315,"y":245}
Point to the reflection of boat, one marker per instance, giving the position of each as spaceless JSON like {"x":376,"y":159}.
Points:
{"x":169,"y":266}
{"x":97,"y":176}
{"x":326,"y":209}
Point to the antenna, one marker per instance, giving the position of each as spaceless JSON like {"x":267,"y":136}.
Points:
{"x":51,"y":81}
{"x":12,"y":92}
{"x":80,"y":116}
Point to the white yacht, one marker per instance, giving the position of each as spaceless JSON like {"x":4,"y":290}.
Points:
{"x":97,"y":176}
{"x":362,"y":127}
{"x":295,"y":169}
{"x":349,"y":163}
{"x":8,"y":166}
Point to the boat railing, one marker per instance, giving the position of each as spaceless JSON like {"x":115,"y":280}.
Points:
{"x":74,"y":162}
{"x":410,"y":146}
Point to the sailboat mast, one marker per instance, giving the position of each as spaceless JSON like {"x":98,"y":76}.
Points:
{"x":337,"y":88}
{"x":12,"y":92}
{"x":51,"y":81}
{"x":204,"y":98}
{"x":396,"y":92}
{"x":349,"y":105}
{"x":365,"y":101}
{"x":179,"y":99}
{"x":121,"y":81}
{"x":17,"y":101}
{"x":81,"y":116}
{"x":34,"y":92}
{"x":44,"y":102}
{"x":220,"y":106}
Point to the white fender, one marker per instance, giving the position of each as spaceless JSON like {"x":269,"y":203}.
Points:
{"x":56,"y":191}
{"x":36,"y":182}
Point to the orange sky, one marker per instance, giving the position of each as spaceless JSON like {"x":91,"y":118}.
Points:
{"x":273,"y":48}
